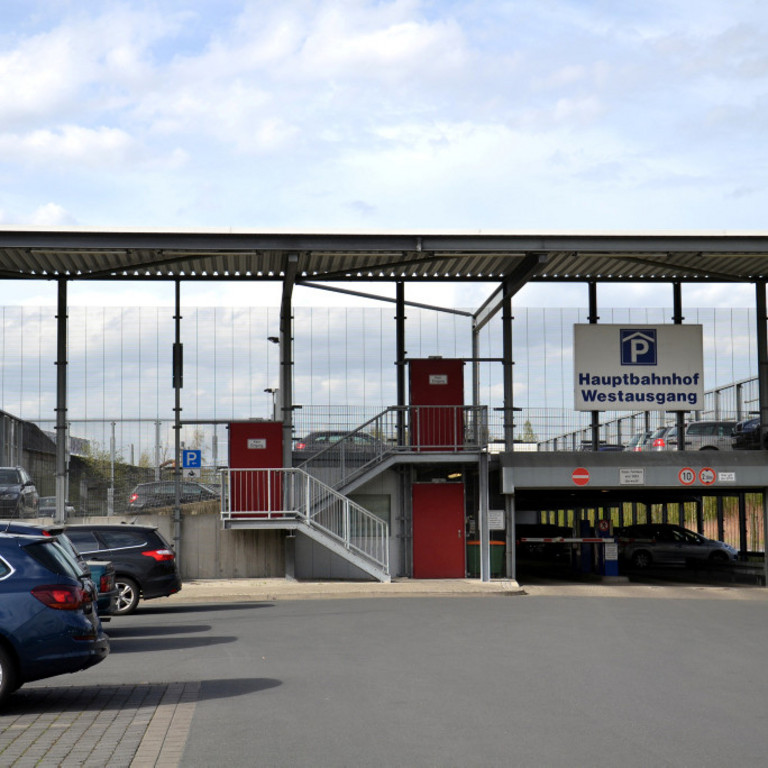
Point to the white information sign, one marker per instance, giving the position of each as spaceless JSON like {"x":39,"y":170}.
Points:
{"x":638,"y":367}
{"x":633,"y":476}
{"x":496,"y":520}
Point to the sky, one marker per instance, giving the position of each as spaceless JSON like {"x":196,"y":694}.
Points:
{"x":548,"y":115}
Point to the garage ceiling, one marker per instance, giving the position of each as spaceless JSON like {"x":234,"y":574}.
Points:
{"x":90,"y":254}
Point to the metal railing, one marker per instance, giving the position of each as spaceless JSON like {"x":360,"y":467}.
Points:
{"x":399,"y":429}
{"x":294,"y":495}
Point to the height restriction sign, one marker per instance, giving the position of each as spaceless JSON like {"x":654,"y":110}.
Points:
{"x":707,"y":476}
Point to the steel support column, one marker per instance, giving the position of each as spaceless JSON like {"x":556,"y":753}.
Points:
{"x":762,"y":384}
{"x":61,"y":402}
{"x":593,"y":318}
{"x":677,"y":319}
{"x":178,"y":383}
{"x":400,"y":355}
{"x":286,"y":356}
{"x":485,"y":534}
{"x":509,"y":426}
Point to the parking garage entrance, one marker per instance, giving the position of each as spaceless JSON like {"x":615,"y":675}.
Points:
{"x":561,"y":494}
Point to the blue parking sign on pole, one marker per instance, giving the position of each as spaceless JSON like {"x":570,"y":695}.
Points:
{"x":192,"y":459}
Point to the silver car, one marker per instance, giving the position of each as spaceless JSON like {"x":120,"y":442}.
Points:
{"x":699,"y":436}
{"x":664,"y":544}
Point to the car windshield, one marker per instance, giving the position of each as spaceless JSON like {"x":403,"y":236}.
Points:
{"x":9,"y":477}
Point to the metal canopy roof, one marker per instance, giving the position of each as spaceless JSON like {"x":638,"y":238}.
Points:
{"x":90,"y":254}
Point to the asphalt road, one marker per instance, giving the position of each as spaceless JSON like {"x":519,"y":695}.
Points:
{"x":527,"y":680}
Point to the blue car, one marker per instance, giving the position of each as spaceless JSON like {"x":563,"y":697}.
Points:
{"x":48,"y":620}
{"x":100,"y":572}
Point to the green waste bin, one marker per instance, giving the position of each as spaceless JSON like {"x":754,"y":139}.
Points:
{"x":498,"y":552}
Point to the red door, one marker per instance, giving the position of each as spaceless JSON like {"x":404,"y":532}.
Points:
{"x":438,"y":531}
{"x":437,"y":404}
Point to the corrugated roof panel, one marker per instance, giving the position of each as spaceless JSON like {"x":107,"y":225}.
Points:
{"x":381,"y":256}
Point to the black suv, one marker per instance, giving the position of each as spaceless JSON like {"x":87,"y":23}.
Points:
{"x":145,"y":563}
{"x":18,"y":495}
{"x":163,"y":494}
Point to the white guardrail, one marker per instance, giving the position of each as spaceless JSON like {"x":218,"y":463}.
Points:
{"x":274,"y":495}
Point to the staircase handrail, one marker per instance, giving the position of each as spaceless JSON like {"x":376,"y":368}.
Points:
{"x":304,"y":498}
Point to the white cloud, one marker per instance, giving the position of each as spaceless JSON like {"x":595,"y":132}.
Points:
{"x":51,"y":215}
{"x":388,"y":114}
{"x":70,"y":144}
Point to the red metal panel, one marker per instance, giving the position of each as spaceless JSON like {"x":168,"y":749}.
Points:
{"x":437,"y":404}
{"x":438,"y":531}
{"x":256,"y":445}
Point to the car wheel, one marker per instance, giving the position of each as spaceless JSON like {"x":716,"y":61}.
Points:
{"x":708,"y":448}
{"x":127,"y":595}
{"x":642,"y":559}
{"x":8,"y":675}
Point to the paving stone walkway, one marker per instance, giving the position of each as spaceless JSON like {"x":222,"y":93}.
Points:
{"x":118,"y":726}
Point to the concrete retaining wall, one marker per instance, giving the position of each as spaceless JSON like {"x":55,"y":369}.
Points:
{"x":206,"y":550}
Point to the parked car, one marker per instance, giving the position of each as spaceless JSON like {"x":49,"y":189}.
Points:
{"x":18,"y":495}
{"x":665,"y":544}
{"x":100,"y":572}
{"x":145,"y":563}
{"x":699,"y":436}
{"x":163,"y":494}
{"x":358,"y":446}
{"x":48,"y":622}
{"x":47,"y":507}
{"x":638,"y":440}
{"x":746,"y":435}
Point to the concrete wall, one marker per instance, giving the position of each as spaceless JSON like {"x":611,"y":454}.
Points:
{"x":206,"y":550}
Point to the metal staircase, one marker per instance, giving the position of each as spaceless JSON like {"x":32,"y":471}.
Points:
{"x":310,"y":497}
{"x":292,"y":499}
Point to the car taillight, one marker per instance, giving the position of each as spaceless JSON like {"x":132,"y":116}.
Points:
{"x":659,"y":442}
{"x":161,"y":555}
{"x":300,"y":446}
{"x":63,"y":597}
{"x":133,"y":497}
{"x":106,"y":582}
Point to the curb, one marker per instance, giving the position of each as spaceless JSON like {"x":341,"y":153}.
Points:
{"x":259,"y":590}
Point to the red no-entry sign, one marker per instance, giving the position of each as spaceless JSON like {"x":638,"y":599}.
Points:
{"x":580,"y":476}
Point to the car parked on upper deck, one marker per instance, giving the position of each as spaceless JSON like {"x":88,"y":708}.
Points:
{"x":48,"y":622}
{"x":47,"y":507}
{"x":638,"y":440}
{"x":699,"y":436}
{"x":145,"y":563}
{"x":163,"y":494}
{"x":18,"y":494}
{"x":358,"y":447}
{"x":746,"y":435}
{"x":665,"y":544}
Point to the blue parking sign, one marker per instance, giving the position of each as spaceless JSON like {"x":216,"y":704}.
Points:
{"x":191,"y":459}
